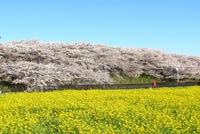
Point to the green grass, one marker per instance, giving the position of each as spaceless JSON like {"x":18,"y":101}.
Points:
{"x":8,"y":87}
{"x":124,"y":79}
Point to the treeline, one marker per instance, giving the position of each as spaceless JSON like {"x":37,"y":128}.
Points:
{"x":41,"y":66}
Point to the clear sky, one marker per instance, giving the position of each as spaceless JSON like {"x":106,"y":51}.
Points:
{"x":169,"y":25}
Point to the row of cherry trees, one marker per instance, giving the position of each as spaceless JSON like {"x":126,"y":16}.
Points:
{"x":42,"y":66}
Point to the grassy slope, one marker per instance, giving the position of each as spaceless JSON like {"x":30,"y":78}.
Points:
{"x":124,"y":79}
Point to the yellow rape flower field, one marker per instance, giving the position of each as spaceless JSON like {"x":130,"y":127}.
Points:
{"x":151,"y":111}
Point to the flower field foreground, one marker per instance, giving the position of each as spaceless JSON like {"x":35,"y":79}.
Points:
{"x":166,"y":110}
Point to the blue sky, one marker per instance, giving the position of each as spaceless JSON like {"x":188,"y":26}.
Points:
{"x":169,"y":25}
